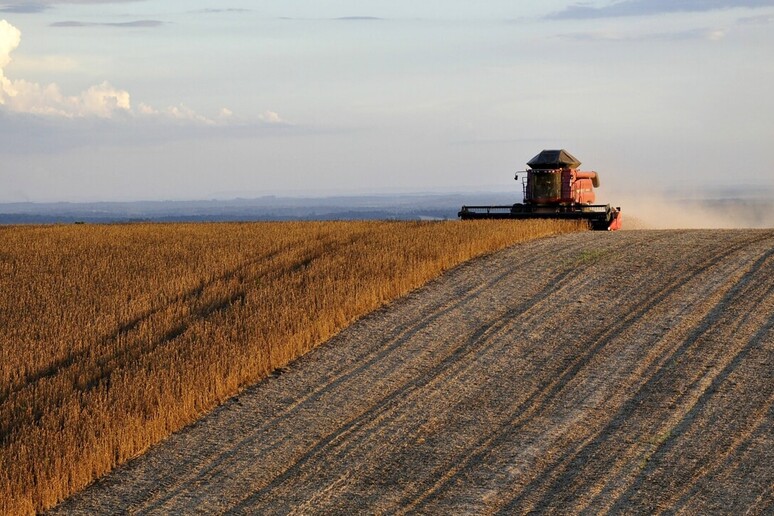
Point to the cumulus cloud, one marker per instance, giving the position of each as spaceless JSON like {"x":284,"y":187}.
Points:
{"x":101,"y":115}
{"x":99,"y":101}
{"x":102,"y":100}
{"x":180,"y":112}
{"x":651,"y":7}
{"x":10,"y":37}
{"x":184,"y":113}
{"x":271,"y":117}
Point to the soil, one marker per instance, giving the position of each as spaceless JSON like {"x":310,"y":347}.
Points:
{"x":628,"y":372}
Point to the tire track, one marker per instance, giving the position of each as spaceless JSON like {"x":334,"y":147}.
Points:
{"x":660,"y":366}
{"x":484,"y":341}
{"x":555,"y":383}
{"x":625,"y":421}
{"x":684,"y":425}
{"x":505,"y":387}
{"x":455,"y":364}
{"x":366,"y":361}
{"x":374,"y":415}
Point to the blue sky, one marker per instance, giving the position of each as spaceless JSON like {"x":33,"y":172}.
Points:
{"x":134,"y":100}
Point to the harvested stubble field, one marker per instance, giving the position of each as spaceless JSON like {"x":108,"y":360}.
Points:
{"x":625,"y":373}
{"x":113,"y":337}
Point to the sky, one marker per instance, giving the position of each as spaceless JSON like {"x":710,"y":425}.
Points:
{"x":167,"y":100}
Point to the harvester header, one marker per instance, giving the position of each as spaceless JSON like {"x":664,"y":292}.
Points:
{"x":554,"y":188}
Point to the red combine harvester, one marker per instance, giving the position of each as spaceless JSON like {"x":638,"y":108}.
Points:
{"x":554,"y":188}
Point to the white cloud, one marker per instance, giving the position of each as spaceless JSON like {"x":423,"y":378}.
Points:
{"x":10,"y":37}
{"x":99,"y":101}
{"x":270,"y":117}
{"x":145,"y":109}
{"x":21,"y":96}
{"x":185,"y":113}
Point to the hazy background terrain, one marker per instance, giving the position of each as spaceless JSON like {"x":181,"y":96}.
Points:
{"x":750,"y":211}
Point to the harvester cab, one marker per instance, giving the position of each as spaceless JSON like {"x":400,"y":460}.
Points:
{"x":554,"y":188}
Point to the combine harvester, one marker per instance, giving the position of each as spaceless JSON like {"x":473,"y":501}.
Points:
{"x":554,"y":188}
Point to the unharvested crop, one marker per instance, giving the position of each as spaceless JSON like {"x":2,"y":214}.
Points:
{"x":113,"y":337}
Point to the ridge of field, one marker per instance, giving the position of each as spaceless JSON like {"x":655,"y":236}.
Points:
{"x":116,"y":336}
{"x":624,"y":373}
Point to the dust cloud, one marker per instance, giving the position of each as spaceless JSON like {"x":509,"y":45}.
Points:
{"x":654,"y":212}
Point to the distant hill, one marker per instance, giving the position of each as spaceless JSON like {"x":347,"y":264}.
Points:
{"x":397,"y":207}
{"x":671,"y":210}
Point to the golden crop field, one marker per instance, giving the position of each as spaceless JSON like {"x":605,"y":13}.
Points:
{"x":112,"y":337}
